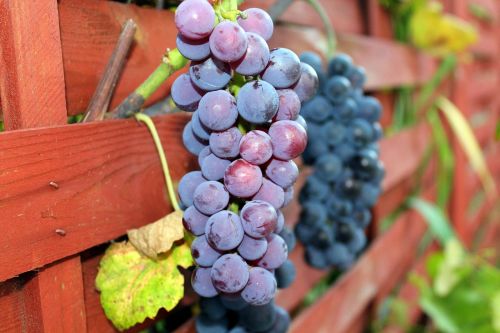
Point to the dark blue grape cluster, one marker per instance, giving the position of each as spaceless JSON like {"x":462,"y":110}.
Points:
{"x":343,"y":129}
{"x":246,"y":130}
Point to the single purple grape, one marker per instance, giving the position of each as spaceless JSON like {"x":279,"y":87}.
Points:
{"x":224,"y":231}
{"x":195,"y":19}
{"x":255,"y":147}
{"x":213,"y":167}
{"x":217,"y":110}
{"x":210,"y":74}
{"x":193,"y":49}
{"x":289,"y":139}
{"x":257,"y":21}
{"x":308,"y":83}
{"x":242,"y":179}
{"x":289,"y":107}
{"x":194,"y":221}
{"x":188,"y":183}
{"x":201,"y":281}
{"x":261,"y":287}
{"x":271,"y":193}
{"x":257,"y":102}
{"x":198,"y":129}
{"x":256,"y":57}
{"x":283,"y":173}
{"x":288,"y":196}
{"x":228,"y":41}
{"x":280,"y":222}
{"x":283,"y":70}
{"x":210,"y":197}
{"x":230,"y":273}
{"x":252,"y":248}
{"x":193,"y":144}
{"x":226,"y":144}
{"x":203,"y":254}
{"x":203,"y":153}
{"x":301,"y":121}
{"x":185,"y":94}
{"x":276,"y":254}
{"x":259,"y":218}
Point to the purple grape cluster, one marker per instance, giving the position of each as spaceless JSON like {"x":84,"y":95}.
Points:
{"x":343,"y":129}
{"x":246,"y":130}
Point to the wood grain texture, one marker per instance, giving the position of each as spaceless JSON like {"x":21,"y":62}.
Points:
{"x":345,"y":15}
{"x":12,"y":314}
{"x":89,"y":30}
{"x":32,"y":78}
{"x":55,"y":297}
{"x":109,"y":179}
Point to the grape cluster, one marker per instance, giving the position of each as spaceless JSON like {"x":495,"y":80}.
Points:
{"x":343,"y":130}
{"x":246,"y":130}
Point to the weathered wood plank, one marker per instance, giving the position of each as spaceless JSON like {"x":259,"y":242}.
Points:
{"x":31,"y":64}
{"x":109,"y":179}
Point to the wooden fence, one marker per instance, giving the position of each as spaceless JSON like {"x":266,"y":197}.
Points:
{"x":67,"y":189}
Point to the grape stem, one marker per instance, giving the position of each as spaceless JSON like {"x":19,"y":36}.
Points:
{"x":163,"y":159}
{"x":330,"y":31}
{"x":172,"y":61}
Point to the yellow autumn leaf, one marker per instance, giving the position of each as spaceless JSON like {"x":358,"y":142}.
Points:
{"x":158,"y":237}
{"x":440,"y":33}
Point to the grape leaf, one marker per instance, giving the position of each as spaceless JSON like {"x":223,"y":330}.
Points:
{"x":134,"y":287}
{"x":158,"y":237}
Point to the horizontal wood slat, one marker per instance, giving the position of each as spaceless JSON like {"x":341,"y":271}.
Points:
{"x":89,"y":31}
{"x":108,"y":182}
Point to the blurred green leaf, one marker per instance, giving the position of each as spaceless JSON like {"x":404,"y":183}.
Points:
{"x":435,"y":218}
{"x":480,"y":12}
{"x":495,"y":306}
{"x":446,"y":159}
{"x":468,"y":141}
{"x":497,"y":131}
{"x":453,"y":268}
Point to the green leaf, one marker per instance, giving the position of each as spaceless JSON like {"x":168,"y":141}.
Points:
{"x":435,"y":218}
{"x":134,"y":287}
{"x":439,"y":315}
{"x":465,"y":136}
{"x":453,"y":268}
{"x":495,"y":308}
{"x":446,"y":159}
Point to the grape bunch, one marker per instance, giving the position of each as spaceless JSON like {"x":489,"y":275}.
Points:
{"x":246,"y":130}
{"x":343,"y":129}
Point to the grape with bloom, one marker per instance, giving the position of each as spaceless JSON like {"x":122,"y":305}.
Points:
{"x":246,"y":131}
{"x":343,"y":133}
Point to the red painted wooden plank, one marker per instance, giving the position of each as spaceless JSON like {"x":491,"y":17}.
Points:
{"x":109,"y":180}
{"x":345,"y":15}
{"x":56,"y":292}
{"x":89,"y":30}
{"x":33,"y":95}
{"x":31,"y":64}
{"x":11,"y":305}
